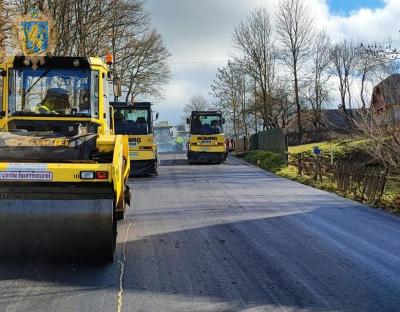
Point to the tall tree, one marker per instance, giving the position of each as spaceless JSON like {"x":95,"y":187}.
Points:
{"x":196,"y":103}
{"x":344,"y":61}
{"x":122,"y":27}
{"x":224,"y":91}
{"x":369,"y":63}
{"x":318,"y":92}
{"x":232,"y":90}
{"x":295,"y":32}
{"x":143,"y":66}
{"x":253,"y":38}
{"x":7,"y":10}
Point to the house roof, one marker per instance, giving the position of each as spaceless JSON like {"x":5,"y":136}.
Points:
{"x":387,"y":92}
{"x":333,"y":119}
{"x":336,"y":118}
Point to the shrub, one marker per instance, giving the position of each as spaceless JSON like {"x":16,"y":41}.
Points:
{"x":266,"y":160}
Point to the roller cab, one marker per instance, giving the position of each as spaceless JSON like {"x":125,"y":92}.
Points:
{"x":63,"y":172}
{"x":206,"y":142}
{"x":135,"y":121}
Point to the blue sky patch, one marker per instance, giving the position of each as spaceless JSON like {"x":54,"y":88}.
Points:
{"x":344,"y":7}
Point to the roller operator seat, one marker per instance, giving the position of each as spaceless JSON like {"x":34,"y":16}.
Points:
{"x":142,"y":125}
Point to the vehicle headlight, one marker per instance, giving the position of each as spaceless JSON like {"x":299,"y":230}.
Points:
{"x":87,"y":175}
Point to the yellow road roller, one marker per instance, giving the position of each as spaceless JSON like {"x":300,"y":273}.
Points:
{"x":136,"y":122}
{"x":206,"y":143}
{"x":63,"y":171}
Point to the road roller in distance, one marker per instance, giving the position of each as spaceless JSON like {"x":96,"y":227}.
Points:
{"x":135,"y":121}
{"x":206,"y":143}
{"x":63,"y":171}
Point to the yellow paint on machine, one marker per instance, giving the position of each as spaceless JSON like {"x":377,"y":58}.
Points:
{"x":142,"y":147}
{"x":60,"y":172}
{"x":207,"y":143}
{"x":107,"y":142}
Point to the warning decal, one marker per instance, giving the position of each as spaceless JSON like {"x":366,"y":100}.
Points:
{"x":26,"y":176}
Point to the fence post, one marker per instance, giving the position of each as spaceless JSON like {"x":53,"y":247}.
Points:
{"x":383,"y":180}
{"x":317,"y":169}
{"x":300,"y":164}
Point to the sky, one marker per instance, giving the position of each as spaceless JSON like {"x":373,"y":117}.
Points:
{"x":345,"y":7}
{"x":198,"y":35}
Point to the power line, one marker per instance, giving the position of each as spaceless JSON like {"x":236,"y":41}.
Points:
{"x":199,"y":62}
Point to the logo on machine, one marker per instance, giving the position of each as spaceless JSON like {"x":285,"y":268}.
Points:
{"x":207,"y":138}
{"x":135,"y":140}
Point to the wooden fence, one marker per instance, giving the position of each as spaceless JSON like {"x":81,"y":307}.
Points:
{"x":366,"y":183}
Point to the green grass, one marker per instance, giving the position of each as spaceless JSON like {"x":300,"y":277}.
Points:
{"x":391,"y":197}
{"x":265,"y":160}
{"x":339,"y":148}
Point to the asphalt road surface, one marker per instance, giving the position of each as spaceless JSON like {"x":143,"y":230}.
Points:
{"x":225,"y":238}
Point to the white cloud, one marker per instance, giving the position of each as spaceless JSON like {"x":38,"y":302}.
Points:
{"x":368,"y":25}
{"x":201,"y":31}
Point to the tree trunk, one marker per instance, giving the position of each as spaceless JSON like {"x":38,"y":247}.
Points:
{"x":255,"y":107}
{"x":234,"y":122}
{"x":297,"y":99}
{"x":362,"y":91}
{"x":349,"y":96}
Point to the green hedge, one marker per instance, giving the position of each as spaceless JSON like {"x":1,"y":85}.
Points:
{"x":266,"y":160}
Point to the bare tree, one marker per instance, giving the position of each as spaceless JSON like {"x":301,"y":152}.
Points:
{"x":253,"y":38}
{"x":128,"y":19}
{"x":122,"y":27}
{"x":232,"y":88}
{"x":369,"y":63}
{"x":344,"y":61}
{"x":318,"y":90}
{"x":224,"y":91}
{"x":196,"y":103}
{"x":7,"y":12}
{"x":143,"y":66}
{"x":3,"y":29}
{"x":383,"y":138}
{"x":295,"y":32}
{"x":82,"y":26}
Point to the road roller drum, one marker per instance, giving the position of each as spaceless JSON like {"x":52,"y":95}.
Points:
{"x":66,"y":221}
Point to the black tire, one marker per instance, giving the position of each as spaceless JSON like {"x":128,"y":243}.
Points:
{"x":156,"y":167}
{"x":108,"y":255}
{"x":111,"y":257}
{"x":120,"y":215}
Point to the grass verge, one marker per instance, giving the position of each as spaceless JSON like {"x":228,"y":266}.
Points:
{"x":274,"y":163}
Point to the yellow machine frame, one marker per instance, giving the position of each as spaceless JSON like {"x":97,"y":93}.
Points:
{"x":69,"y":172}
{"x":142,"y":147}
{"x":118,"y":170}
{"x":208,"y":148}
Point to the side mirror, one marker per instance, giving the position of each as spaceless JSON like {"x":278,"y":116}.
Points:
{"x":2,"y":114}
{"x":188,"y":121}
{"x":3,"y":73}
{"x":157,"y":114}
{"x":223,"y":121}
{"x":117,"y":86}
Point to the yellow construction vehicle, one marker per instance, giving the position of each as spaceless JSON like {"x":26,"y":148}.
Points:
{"x":206,"y":142}
{"x":63,"y":172}
{"x":136,"y":122}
